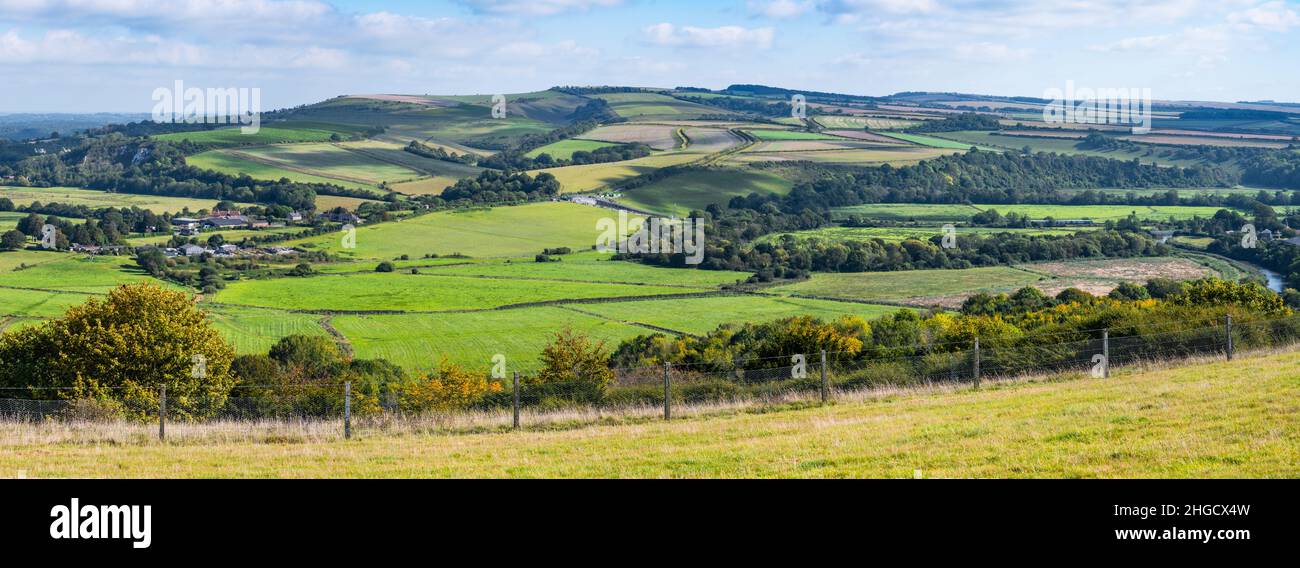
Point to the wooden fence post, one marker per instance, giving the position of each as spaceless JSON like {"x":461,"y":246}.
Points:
{"x":1105,"y":353}
{"x":162,"y":413}
{"x":516,"y":402}
{"x":668,"y":393}
{"x":347,"y":410}
{"x":826,"y":386}
{"x":977,"y":363}
{"x":1228,"y":329}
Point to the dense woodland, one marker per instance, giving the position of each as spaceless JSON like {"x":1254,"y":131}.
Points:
{"x":150,"y":167}
{"x":963,"y":121}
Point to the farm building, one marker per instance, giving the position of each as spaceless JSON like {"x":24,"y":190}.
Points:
{"x":226,"y":222}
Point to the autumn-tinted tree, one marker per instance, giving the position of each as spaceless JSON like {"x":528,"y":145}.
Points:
{"x":120,"y":350}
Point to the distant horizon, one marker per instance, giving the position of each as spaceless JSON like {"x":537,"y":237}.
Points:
{"x":71,"y":56}
{"x":4,"y":112}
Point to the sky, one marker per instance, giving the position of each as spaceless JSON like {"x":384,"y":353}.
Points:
{"x":110,"y":55}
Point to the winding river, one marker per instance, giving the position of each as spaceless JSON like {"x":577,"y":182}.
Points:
{"x":1275,"y":281}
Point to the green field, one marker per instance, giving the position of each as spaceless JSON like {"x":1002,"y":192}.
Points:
{"x":834,"y":122}
{"x":31,"y":303}
{"x":1213,"y":419}
{"x":425,"y":292}
{"x":778,"y":135}
{"x":637,"y":105}
{"x":695,"y":190}
{"x":592,"y":267}
{"x":231,"y":164}
{"x":928,"y":141}
{"x":926,"y":212}
{"x":254,"y":330}
{"x":9,"y":220}
{"x":331,"y":161}
{"x":564,"y":149}
{"x":897,"y":234}
{"x":98,"y":199}
{"x":1058,"y":145}
{"x":10,"y":260}
{"x":516,"y":231}
{"x":453,"y":122}
{"x":275,"y":133}
{"x":74,"y":273}
{"x":589,"y":177}
{"x":702,"y":315}
{"x":419,"y":341}
{"x":902,"y":285}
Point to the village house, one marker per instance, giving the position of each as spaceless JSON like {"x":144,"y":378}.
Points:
{"x":340,"y":217}
{"x":235,"y":222}
{"x":193,"y":250}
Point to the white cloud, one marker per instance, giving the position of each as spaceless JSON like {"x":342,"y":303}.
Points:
{"x":210,"y":11}
{"x":781,"y":9}
{"x":535,"y":7}
{"x":1270,"y":16}
{"x":727,"y":37}
{"x":989,"y":52}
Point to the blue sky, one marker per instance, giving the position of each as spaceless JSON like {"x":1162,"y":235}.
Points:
{"x":109,"y":55}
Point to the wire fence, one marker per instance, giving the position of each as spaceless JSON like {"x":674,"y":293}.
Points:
{"x":650,"y":392}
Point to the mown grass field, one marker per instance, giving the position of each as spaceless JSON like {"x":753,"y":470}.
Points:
{"x":655,"y":135}
{"x":589,"y":177}
{"x":425,"y":292}
{"x":929,"y":141}
{"x":695,"y":190}
{"x":926,"y":212}
{"x":897,"y":286}
{"x":461,"y":124}
{"x":277,"y":133}
{"x":516,"y":231}
{"x":1212,"y":419}
{"x":9,"y":220}
{"x":564,"y":149}
{"x":895,"y":156}
{"x":779,"y":135}
{"x":590,"y":267}
{"x":702,"y":315}
{"x":74,"y":273}
{"x":863,"y":122}
{"x":253,"y":330}
{"x":97,"y":199}
{"x":329,"y":160}
{"x":1060,"y":146}
{"x":896,"y":234}
{"x":32,"y":303}
{"x":418,"y":342}
{"x":637,"y":105}
{"x":227,"y":163}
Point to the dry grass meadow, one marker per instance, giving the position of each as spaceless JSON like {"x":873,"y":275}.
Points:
{"x":1207,"y":418}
